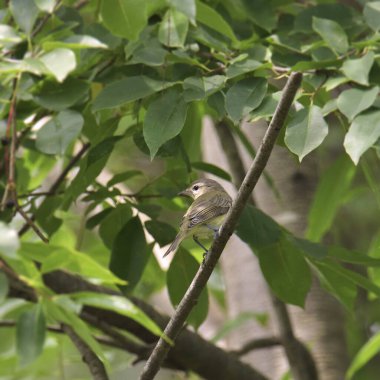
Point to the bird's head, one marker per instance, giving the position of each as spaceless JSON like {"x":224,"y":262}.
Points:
{"x":201,"y":187}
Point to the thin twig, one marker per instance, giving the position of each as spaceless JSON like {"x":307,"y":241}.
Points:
{"x":57,"y":183}
{"x":95,"y":365}
{"x":45,"y":19}
{"x":191,"y":296}
{"x":257,"y":344}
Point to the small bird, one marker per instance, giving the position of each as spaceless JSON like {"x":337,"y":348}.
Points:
{"x":205,"y":215}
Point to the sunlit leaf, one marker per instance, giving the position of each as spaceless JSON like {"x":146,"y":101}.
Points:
{"x":59,"y":132}
{"x":332,"y":33}
{"x":358,"y":69}
{"x":363,"y":133}
{"x":352,"y":102}
{"x":306,"y":131}
{"x":173,"y":29}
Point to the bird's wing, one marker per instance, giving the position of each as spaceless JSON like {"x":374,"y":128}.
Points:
{"x":204,"y":210}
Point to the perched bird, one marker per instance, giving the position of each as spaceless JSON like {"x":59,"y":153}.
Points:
{"x":205,"y":215}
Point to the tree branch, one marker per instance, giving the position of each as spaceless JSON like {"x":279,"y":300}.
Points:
{"x":191,"y":352}
{"x":257,"y":344}
{"x":94,"y":364}
{"x":200,"y":280}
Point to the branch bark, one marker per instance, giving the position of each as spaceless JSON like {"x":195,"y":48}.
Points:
{"x":200,"y":280}
{"x":94,"y":364}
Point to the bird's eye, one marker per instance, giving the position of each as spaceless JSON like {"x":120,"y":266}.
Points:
{"x":195,"y":188}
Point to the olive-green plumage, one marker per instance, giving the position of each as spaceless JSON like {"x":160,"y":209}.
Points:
{"x":205,"y":215}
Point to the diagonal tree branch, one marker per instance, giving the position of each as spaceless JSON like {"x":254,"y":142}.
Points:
{"x":190,"y":298}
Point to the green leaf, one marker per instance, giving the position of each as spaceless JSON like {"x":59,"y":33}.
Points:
{"x":358,"y":69}
{"x":65,"y":315}
{"x":332,"y":33}
{"x":197,"y":88}
{"x":339,"y":286}
{"x":212,"y":19}
{"x":60,"y":62}
{"x":244,"y":96}
{"x":56,"y":257}
{"x":75,"y":42}
{"x":281,"y":260}
{"x":128,"y":90}
{"x":8,"y":36}
{"x":91,"y":166}
{"x":122,"y":177}
{"x":257,"y":229}
{"x":163,"y":233}
{"x":59,"y":132}
{"x":9,"y":241}
{"x":45,"y":5}
{"x":242,"y":67}
{"x":111,"y":225}
{"x":125,"y":18}
{"x":25,"y":14}
{"x":306,"y":131}
{"x":210,"y":168}
{"x":178,"y":278}
{"x":339,"y":13}
{"x":4,"y":287}
{"x":285,"y":270}
{"x":187,"y":7}
{"x":365,"y":354}
{"x":30,"y":335}
{"x":372,"y":14}
{"x":150,"y":53}
{"x":130,"y":253}
{"x":363,"y":133}
{"x":173,"y":29}
{"x":329,"y":197}
{"x":352,"y":102}
{"x":358,"y":258}
{"x":59,"y":96}
{"x":94,"y":220}
{"x":164,"y":119}
{"x":120,"y":305}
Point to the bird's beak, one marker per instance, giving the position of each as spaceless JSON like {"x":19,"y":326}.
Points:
{"x":185,"y":193}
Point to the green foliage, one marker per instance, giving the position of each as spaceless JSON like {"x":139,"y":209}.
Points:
{"x":128,"y":83}
{"x":179,"y":276}
{"x":30,"y":335}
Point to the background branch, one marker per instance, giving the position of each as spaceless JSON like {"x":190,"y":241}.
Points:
{"x":191,"y":352}
{"x":94,"y":364}
{"x":257,"y":344}
{"x":200,"y":280}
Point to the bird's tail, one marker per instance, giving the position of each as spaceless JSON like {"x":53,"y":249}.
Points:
{"x":174,"y":246}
